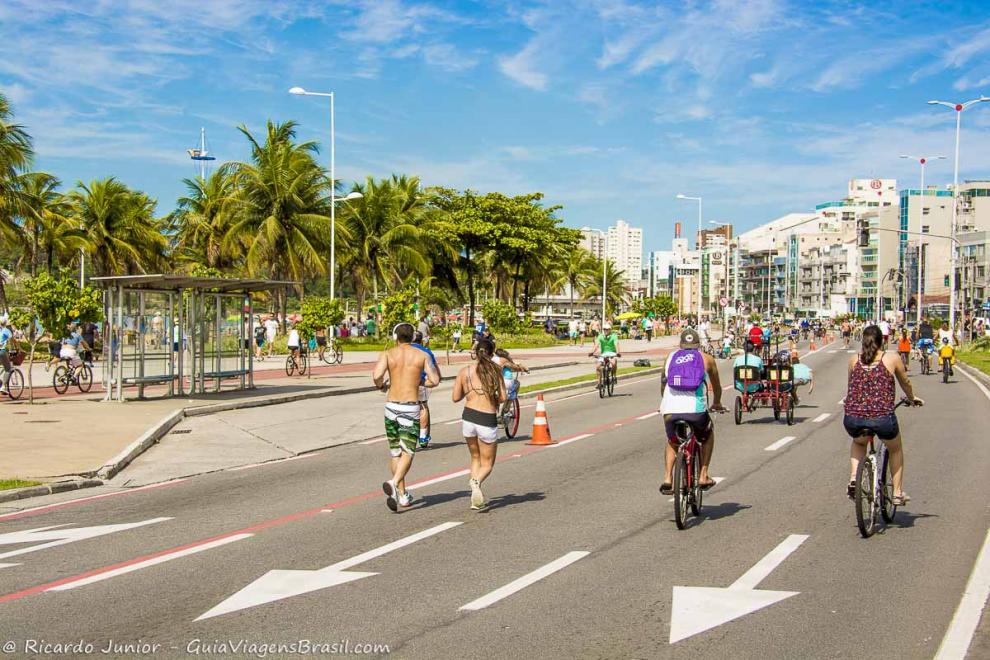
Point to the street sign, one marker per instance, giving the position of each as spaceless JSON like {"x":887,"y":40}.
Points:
{"x":876,"y":184}
{"x":723,"y":301}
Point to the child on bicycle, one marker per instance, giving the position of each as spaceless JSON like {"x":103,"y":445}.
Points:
{"x":947,"y":351}
{"x":509,"y":370}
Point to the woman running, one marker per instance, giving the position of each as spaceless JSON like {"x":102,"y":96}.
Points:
{"x":481,"y":387}
{"x":869,"y":407}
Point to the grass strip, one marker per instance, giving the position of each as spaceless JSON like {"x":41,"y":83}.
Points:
{"x":7,"y":484}
{"x":978,"y":359}
{"x":591,"y":377}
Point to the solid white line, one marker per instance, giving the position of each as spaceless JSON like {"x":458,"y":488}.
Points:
{"x":834,"y":350}
{"x":81,"y":582}
{"x":436,"y":480}
{"x":452,"y":422}
{"x":95,"y":497}
{"x":372,"y":441}
{"x":648,"y":415}
{"x":574,"y":439}
{"x":822,"y":417}
{"x":958,"y":637}
{"x":525,"y":581}
{"x":772,"y":560}
{"x":780,"y":443}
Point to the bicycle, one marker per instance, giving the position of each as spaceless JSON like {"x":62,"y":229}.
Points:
{"x":15,"y":384}
{"x":874,"y":497}
{"x":509,"y":417}
{"x":65,"y":376}
{"x":687,"y":467}
{"x":946,"y":369}
{"x":924,"y":357}
{"x":294,"y":364}
{"x":606,"y":379}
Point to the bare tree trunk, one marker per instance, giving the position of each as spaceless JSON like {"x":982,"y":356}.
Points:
{"x":3,"y":292}
{"x":470,"y":279}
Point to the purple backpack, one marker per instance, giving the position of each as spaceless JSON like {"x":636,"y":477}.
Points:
{"x":687,"y":370}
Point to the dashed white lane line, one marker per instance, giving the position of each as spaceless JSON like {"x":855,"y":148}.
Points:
{"x":373,"y":440}
{"x":570,"y":440}
{"x":648,"y":415}
{"x":154,"y":561}
{"x":275,"y":462}
{"x":822,"y":417}
{"x":780,"y":443}
{"x":842,"y":401}
{"x":525,"y":581}
{"x":834,"y":350}
{"x":452,"y":422}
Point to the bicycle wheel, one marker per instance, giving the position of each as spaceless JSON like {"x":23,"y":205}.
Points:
{"x":945,"y":371}
{"x":776,"y":409}
{"x":16,"y":384}
{"x":303,"y":364}
{"x":866,"y":517}
{"x":290,"y":366}
{"x":737,"y":410}
{"x":887,"y":508}
{"x":510,"y":418}
{"x":85,"y":380}
{"x":696,"y":492}
{"x":680,"y":490}
{"x":328,"y":356}
{"x":611,"y":382}
{"x":60,"y":381}
{"x":790,"y":411}
{"x":338,"y":352}
{"x":601,"y":384}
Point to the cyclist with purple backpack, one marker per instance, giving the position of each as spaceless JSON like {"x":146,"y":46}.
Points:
{"x":687,"y":375}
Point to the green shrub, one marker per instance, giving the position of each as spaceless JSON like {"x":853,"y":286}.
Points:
{"x":500,"y":316}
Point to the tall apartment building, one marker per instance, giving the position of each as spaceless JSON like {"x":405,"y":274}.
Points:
{"x":593,"y":240}
{"x":624,"y":248}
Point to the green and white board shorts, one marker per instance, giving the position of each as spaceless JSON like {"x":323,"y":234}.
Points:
{"x":402,"y":427}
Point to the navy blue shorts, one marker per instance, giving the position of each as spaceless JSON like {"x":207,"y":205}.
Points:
{"x":884,"y":427}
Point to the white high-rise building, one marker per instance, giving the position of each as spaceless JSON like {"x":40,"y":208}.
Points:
{"x":593,"y":240}
{"x":624,"y":248}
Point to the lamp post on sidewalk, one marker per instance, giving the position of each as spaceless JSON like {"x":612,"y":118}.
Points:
{"x":958,"y":108}
{"x":922,"y":160}
{"x":697,"y":247}
{"x":299,"y":91}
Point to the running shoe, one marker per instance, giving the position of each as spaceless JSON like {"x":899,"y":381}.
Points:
{"x":405,"y":499}
{"x":390,"y":497}
{"x":424,"y":443}
{"x":477,"y":497}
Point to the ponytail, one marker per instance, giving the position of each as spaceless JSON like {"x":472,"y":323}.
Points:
{"x":488,"y":373}
{"x":872,"y":340}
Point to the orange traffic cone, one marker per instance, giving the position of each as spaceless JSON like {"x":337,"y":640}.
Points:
{"x":812,"y":347}
{"x":541,"y":427}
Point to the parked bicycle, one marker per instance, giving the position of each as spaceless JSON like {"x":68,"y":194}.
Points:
{"x":874,"y":497}
{"x":66,"y":375}
{"x":334,"y":352}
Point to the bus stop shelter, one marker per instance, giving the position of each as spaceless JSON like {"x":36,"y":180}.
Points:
{"x":189,"y":334}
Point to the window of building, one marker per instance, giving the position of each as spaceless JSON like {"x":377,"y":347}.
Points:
{"x":925,"y":229}
{"x":925,"y":211}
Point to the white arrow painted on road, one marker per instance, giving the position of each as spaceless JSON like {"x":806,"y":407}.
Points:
{"x":281,"y":584}
{"x":697,"y":609}
{"x":56,"y":535}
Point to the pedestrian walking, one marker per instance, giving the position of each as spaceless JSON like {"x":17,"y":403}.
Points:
{"x":271,"y":330}
{"x":481,"y":388}
{"x":399,"y":373}
{"x":457,"y":339}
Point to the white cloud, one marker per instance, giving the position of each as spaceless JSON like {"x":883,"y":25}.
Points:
{"x":520,"y":67}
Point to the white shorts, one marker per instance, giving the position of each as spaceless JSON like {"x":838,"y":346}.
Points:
{"x":606,"y":354}
{"x":424,"y":394}
{"x":487,"y":434}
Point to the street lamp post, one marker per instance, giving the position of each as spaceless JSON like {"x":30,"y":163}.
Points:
{"x":698,"y":247}
{"x":922,"y":161}
{"x":299,"y":91}
{"x":958,"y":108}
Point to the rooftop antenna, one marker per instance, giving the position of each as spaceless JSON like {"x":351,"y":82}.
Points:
{"x":201,"y":154}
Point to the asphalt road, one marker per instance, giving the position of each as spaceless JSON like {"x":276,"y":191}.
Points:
{"x":189,"y":571}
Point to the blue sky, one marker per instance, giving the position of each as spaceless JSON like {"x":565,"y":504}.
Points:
{"x":609,"y":107}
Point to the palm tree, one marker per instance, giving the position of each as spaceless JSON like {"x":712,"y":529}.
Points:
{"x":616,"y":294}
{"x":202,"y":219}
{"x":282,"y":208}
{"x":49,"y":228}
{"x":387,"y":240}
{"x":124,"y":235}
{"x":578,"y":271}
{"x":16,"y":153}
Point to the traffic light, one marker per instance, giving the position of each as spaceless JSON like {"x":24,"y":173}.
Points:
{"x":863,"y":232}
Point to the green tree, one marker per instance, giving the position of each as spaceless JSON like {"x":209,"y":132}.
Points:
{"x":202,"y":219}
{"x":124,"y":237}
{"x":16,"y":153}
{"x":319,"y":313}
{"x":53,"y":237}
{"x":500,"y":316}
{"x":283,"y":208}
{"x":398,"y":308}
{"x":617,"y":296}
{"x":578,"y":271}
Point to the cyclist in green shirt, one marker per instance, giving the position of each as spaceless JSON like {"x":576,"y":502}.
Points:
{"x":607,"y":347}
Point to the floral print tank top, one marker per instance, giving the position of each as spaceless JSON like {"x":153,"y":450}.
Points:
{"x":871,"y":391}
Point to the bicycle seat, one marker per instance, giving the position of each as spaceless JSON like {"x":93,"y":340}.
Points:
{"x":683,"y":431}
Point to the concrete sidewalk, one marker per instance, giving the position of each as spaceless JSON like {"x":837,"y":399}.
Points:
{"x":77,"y":435}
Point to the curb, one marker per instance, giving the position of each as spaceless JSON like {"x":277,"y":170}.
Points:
{"x":161,"y":429}
{"x":975,"y":373}
{"x":47,"y":489}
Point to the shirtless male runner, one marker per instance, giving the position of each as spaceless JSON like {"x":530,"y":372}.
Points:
{"x":399,"y":372}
